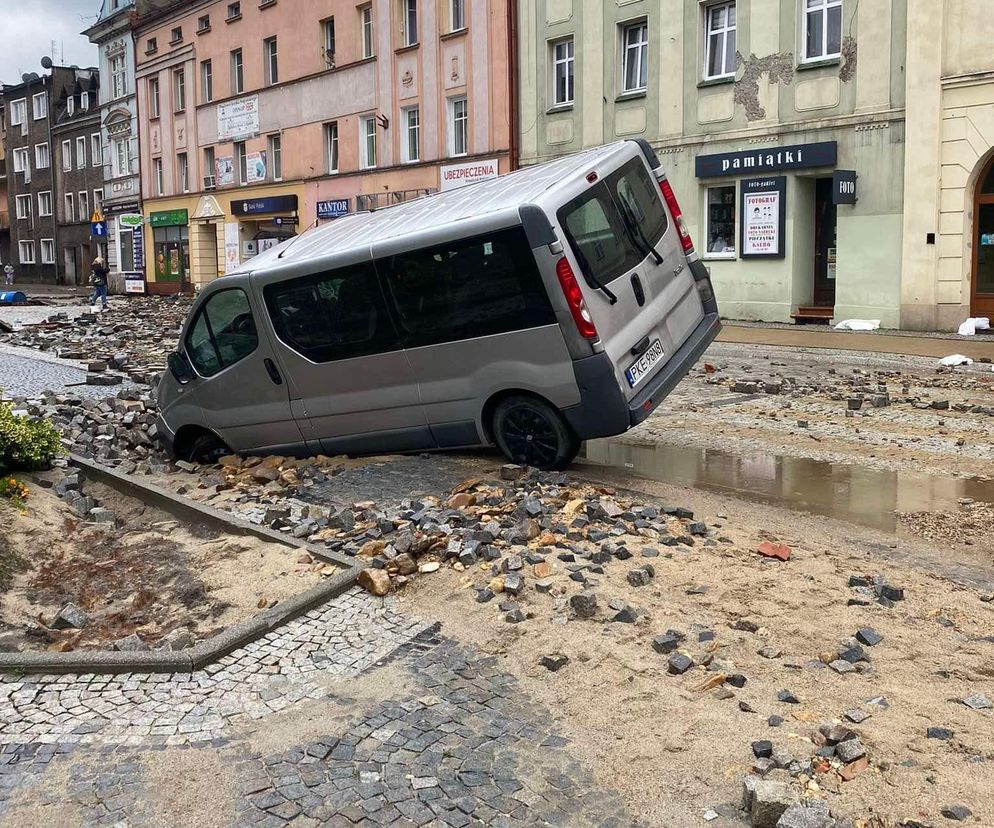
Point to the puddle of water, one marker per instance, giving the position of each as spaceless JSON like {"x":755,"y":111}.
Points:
{"x":868,"y":497}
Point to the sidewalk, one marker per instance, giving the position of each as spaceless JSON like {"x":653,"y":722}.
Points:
{"x":975,"y":347}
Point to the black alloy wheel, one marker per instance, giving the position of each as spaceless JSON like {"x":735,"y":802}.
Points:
{"x":531,"y":432}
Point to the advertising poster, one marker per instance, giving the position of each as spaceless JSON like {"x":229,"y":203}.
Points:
{"x":238,"y":120}
{"x":225,"y":166}
{"x":255,"y":166}
{"x":232,"y":257}
{"x":764,"y":211}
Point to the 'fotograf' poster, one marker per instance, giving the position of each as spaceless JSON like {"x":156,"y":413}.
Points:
{"x":763,"y":217}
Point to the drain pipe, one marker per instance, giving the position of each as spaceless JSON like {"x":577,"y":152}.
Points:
{"x":512,"y":80}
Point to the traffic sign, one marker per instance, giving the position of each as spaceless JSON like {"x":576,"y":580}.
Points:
{"x":98,"y":229}
{"x":97,"y":217}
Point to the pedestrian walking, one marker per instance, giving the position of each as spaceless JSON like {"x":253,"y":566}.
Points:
{"x":8,"y":274}
{"x":98,"y":278}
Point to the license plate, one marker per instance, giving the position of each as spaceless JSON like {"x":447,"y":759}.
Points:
{"x":642,"y":367}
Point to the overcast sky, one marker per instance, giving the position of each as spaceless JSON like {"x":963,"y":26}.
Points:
{"x":28,"y":27}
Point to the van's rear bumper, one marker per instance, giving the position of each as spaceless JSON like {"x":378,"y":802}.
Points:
{"x":603,"y":410}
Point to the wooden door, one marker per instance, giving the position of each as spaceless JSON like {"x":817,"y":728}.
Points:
{"x":982,"y":282}
{"x":825,"y":249}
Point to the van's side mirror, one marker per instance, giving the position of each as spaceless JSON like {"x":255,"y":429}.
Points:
{"x":179,"y":367}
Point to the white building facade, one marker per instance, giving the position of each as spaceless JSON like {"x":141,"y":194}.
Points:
{"x":121,"y":208}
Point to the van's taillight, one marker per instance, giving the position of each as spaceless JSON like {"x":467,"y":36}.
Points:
{"x":674,"y":206}
{"x":574,"y":298}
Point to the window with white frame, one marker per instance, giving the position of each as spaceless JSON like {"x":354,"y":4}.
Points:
{"x":457,"y":15}
{"x":206,"y":81}
{"x":210,"y":168}
{"x":84,"y":101}
{"x":331,"y":146}
{"x":328,"y":29}
{"x":45,"y":203}
{"x":98,"y":198}
{"x":183,"y":172}
{"x":66,"y":156}
{"x":562,"y":72}
{"x":18,"y":112}
{"x":635,"y":57}
{"x":21,"y":160}
{"x":153,"y":98}
{"x":241,"y":162}
{"x":39,"y":105}
{"x":179,"y":90}
{"x":69,"y":209}
{"x":120,"y":164}
{"x":83,"y":205}
{"x":96,"y":150}
{"x":271,"y":64}
{"x":276,"y":157}
{"x":822,"y":29}
{"x":237,"y":72}
{"x":81,"y":153}
{"x":22,"y":206}
{"x":367,"y":142}
{"x":719,"y":45}
{"x":70,"y":105}
{"x":26,"y":252}
{"x":157,"y":176}
{"x":411,"y":138}
{"x":366,"y":30}
{"x":458,"y":126}
{"x":409,"y":21}
{"x":721,"y":221}
{"x":48,"y":251}
{"x":43,"y":157}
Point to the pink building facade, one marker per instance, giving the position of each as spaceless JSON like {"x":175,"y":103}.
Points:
{"x":259,"y":118}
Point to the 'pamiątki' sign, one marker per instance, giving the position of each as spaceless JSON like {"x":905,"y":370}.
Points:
{"x":770,"y":159}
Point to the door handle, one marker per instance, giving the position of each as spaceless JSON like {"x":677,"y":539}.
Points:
{"x":273,"y":372}
{"x":638,"y":289}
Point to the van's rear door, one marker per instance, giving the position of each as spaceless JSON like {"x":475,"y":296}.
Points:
{"x":637,"y":281}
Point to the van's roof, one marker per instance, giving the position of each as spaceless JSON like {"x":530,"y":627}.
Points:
{"x":360,"y":230}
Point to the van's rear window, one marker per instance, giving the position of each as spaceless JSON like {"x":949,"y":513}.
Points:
{"x":610,"y":225}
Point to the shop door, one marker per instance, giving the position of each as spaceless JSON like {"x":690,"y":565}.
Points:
{"x":69,"y":254}
{"x":982,"y":283}
{"x":825,"y":251}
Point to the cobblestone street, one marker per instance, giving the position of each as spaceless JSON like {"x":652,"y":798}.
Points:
{"x":26,"y":373}
{"x":353,"y":714}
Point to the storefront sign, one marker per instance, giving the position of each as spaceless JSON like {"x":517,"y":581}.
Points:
{"x":255,"y":167}
{"x":272,"y":204}
{"x":169,"y":218}
{"x":250,"y":248}
{"x":770,"y":159}
{"x":231,"y":251}
{"x":135,"y":223}
{"x":238,"y":120}
{"x":455,"y":176}
{"x":225,"y":170}
{"x":123,"y":207}
{"x":764,"y":217}
{"x":134,"y":282}
{"x":844,"y":187}
{"x":333,"y":209}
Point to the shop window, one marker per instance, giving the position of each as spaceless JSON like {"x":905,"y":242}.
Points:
{"x":719,"y":47}
{"x":721,"y":221}
{"x":172,"y":253}
{"x":224,"y":333}
{"x":822,"y":29}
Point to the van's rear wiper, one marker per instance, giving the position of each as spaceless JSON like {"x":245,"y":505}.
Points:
{"x":589,"y":274}
{"x":636,"y":233}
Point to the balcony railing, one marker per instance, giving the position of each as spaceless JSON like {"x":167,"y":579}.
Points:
{"x":377,"y":201}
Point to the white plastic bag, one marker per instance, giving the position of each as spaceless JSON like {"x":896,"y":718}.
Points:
{"x":858,"y":325}
{"x":955,"y":359}
{"x":972,"y":325}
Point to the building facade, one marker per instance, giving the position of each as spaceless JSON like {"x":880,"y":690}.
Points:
{"x":4,"y":214}
{"x":78,"y":172}
{"x":781,"y":125}
{"x":30,"y":181}
{"x":259,"y":119}
{"x":121,"y":207}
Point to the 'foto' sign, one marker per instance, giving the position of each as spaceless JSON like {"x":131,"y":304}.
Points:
{"x":455,"y":176}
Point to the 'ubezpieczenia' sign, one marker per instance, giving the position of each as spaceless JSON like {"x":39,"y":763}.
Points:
{"x":455,"y":176}
{"x":770,"y":159}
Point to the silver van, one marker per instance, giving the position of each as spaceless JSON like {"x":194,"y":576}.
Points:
{"x":558,"y":303}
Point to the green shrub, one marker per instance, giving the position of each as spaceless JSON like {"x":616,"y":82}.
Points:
{"x":26,"y":443}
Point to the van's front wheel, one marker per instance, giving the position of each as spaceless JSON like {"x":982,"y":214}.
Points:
{"x":532,"y":433}
{"x":207,"y":449}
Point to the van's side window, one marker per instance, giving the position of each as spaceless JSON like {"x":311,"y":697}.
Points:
{"x":469,"y":288}
{"x":223,"y":333}
{"x":338,"y":314}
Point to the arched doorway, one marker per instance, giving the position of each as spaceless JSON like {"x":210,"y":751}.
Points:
{"x":982,"y":283}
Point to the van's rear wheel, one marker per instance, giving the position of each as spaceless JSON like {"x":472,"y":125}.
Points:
{"x":206,"y":448}
{"x":532,"y":433}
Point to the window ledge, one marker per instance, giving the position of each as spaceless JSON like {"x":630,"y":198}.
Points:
{"x":563,"y":107}
{"x":410,"y":47}
{"x":265,"y":4}
{"x":722,"y":80}
{"x":176,"y":42}
{"x":631,"y":96}
{"x":718,"y":257}
{"x":204,"y":30}
{"x":233,"y":18}
{"x":819,"y":63}
{"x":454,"y":33}
{"x":151,"y":51}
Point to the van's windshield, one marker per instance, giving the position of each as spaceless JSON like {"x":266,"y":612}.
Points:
{"x":616,"y":224}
